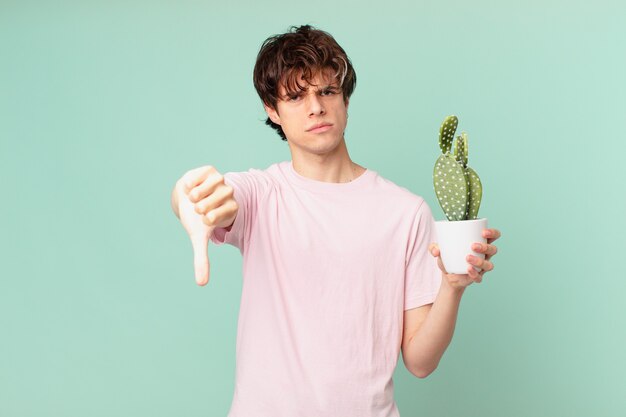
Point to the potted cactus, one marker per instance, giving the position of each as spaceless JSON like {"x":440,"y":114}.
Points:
{"x":459,"y":192}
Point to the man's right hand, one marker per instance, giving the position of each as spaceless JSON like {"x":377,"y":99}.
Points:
{"x":204,"y":202}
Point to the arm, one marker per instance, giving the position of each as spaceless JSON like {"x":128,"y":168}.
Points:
{"x":428,"y":331}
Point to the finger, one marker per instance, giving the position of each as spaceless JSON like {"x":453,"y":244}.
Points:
{"x":442,"y":267}
{"x":207,"y":187}
{"x":433,"y":248}
{"x":221,"y":216}
{"x":201,"y":263}
{"x":473,"y":261}
{"x":483,"y":264}
{"x":485,"y":248}
{"x":195,"y":177}
{"x":473,"y":274}
{"x":491,"y":234}
{"x":213,"y":200}
{"x":480,"y":276}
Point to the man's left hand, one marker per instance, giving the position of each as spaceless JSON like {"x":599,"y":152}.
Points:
{"x":463,"y":280}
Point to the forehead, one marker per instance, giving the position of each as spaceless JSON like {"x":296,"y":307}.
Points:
{"x":295,"y":80}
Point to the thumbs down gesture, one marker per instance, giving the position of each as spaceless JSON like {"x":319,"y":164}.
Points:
{"x":203,"y":201}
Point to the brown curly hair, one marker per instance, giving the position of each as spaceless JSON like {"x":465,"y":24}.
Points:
{"x":303,"y":50}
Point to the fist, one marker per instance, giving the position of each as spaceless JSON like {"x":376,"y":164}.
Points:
{"x":205,"y":202}
{"x":211,"y":197}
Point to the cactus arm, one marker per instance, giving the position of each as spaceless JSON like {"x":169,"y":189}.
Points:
{"x":475,"y":193}
{"x":451,"y":187}
{"x":464,"y":154}
{"x":446,"y":133}
{"x":460,"y":149}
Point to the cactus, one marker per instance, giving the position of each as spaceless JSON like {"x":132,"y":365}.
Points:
{"x":457,"y":186}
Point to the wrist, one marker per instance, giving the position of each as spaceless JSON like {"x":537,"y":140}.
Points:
{"x":451,"y":289}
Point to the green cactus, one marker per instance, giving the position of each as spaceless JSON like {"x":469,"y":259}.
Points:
{"x":457,"y":186}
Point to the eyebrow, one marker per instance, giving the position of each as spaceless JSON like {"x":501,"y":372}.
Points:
{"x":329,"y":86}
{"x":326,"y":87}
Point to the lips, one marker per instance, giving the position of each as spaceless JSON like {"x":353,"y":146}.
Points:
{"x":318,"y":126}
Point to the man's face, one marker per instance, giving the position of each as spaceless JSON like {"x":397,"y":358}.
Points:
{"x":299,"y":112}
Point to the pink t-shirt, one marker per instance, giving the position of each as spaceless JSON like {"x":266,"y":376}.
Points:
{"x":328,"y":270}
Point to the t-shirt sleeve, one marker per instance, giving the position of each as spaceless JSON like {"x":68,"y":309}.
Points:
{"x":248,"y":187}
{"x":422,"y":274}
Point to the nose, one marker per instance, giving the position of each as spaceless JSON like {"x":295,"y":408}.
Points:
{"x":315,"y":105}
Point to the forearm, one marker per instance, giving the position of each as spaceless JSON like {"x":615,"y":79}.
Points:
{"x":435,"y":334}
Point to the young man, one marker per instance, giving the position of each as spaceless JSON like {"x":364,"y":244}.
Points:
{"x":337,"y":276}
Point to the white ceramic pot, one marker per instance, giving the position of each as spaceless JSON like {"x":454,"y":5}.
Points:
{"x":455,"y":241}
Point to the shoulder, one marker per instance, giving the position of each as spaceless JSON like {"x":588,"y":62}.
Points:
{"x":399,"y":196}
{"x":251,"y":181}
{"x":264,"y":175}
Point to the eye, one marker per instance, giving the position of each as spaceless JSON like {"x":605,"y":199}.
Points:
{"x":329,"y":91}
{"x":293,"y":97}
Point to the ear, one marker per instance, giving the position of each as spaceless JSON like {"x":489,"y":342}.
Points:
{"x":272,"y":114}
{"x":347,"y":102}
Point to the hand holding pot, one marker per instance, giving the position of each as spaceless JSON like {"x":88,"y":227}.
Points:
{"x":464,"y":280}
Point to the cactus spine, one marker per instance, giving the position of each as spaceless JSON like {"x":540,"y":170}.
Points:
{"x":457,"y":186}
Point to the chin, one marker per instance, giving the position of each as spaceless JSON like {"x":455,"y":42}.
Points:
{"x":328,"y":146}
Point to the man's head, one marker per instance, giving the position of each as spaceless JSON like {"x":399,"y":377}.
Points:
{"x":292,"y":63}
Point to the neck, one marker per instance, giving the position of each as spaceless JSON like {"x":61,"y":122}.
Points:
{"x":334,"y":168}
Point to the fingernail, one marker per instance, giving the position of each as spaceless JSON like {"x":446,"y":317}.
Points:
{"x":476,"y":246}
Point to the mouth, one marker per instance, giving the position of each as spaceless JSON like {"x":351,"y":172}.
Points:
{"x":320,"y":127}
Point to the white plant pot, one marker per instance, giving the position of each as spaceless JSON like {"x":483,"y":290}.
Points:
{"x":455,"y":240}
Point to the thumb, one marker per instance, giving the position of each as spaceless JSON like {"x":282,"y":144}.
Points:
{"x":201,"y":264}
{"x":433,"y":248}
